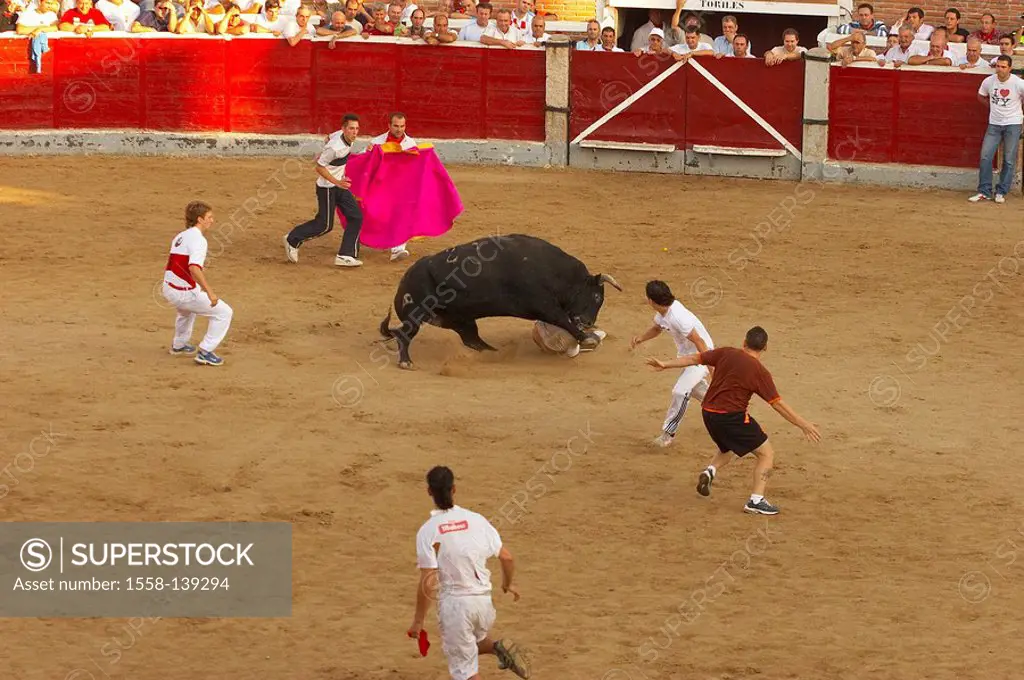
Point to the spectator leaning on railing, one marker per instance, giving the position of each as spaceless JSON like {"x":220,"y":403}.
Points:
{"x":866,"y":22}
{"x":32,"y":22}
{"x":852,"y":48}
{"x":502,"y":33}
{"x":417,"y":29}
{"x":789,"y":50}
{"x":379,"y":25}
{"x":273,"y":22}
{"x":655,"y":21}
{"x":84,"y":19}
{"x":691,"y":46}
{"x":740,"y":48}
{"x":120,"y":13}
{"x":537,"y":35}
{"x":972,"y":59}
{"x":593,"y":39}
{"x":232,"y":23}
{"x":163,"y":18}
{"x":655,"y":43}
{"x":898,"y":54}
{"x":936,"y":54}
{"x":474,"y":30}
{"x":608,"y":41}
{"x":300,"y":28}
{"x":440,"y":33}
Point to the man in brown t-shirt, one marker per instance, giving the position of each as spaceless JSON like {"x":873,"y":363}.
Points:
{"x":739,"y":375}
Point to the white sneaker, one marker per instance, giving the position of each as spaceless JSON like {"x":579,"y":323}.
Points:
{"x":1000,"y":198}
{"x":978,"y":197}
{"x":347,"y":261}
{"x":663,"y":440}
{"x":291,"y":253}
{"x":399,"y":253}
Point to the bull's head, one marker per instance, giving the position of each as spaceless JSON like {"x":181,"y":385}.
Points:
{"x":588,"y":303}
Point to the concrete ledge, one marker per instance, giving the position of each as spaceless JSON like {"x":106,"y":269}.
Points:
{"x":895,"y":175}
{"x":687,"y":162}
{"x":134,"y":143}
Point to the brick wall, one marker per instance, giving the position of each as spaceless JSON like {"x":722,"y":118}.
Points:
{"x":570,"y":10}
{"x":1007,"y":12}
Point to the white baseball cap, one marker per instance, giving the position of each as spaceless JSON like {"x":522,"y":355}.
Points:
{"x":658,"y":32}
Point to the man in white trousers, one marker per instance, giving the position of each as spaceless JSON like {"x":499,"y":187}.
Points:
{"x":690,"y":337}
{"x":186,"y":288}
{"x":395,"y":135}
{"x":452,"y":548}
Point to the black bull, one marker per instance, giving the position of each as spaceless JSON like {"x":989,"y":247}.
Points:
{"x":516,"y":275}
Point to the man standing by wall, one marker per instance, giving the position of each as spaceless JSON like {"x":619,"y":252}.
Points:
{"x":332,"y":191}
{"x":1004,"y":93}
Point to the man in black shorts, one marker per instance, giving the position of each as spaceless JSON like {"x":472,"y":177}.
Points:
{"x":738,"y":375}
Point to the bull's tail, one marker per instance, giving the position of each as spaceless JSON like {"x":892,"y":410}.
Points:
{"x":385,"y":326}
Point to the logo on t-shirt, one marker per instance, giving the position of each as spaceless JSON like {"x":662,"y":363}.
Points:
{"x":449,"y":527}
{"x":178,"y":242}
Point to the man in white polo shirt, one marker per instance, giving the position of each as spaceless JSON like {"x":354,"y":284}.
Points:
{"x":184,"y":270}
{"x":452,"y":548}
{"x":690,"y":337}
{"x":120,"y":13}
{"x":1004,"y":94}
{"x":502,"y":33}
{"x":691,"y":46}
{"x":473,"y":31}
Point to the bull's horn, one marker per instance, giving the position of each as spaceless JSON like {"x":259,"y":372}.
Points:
{"x":608,"y":278}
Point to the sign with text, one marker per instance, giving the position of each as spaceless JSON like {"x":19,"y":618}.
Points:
{"x":130,"y":569}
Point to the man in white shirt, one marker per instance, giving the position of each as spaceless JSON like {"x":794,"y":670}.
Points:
{"x":395,"y":135}
{"x":593,"y":40}
{"x":1004,"y":94}
{"x":300,"y":28}
{"x":185,"y":287}
{"x":608,"y":41}
{"x":936,"y":54}
{"x":32,"y":22}
{"x":502,"y":33}
{"x":972,"y":59}
{"x":915,"y":20}
{"x":655,"y":20}
{"x":120,"y":13}
{"x":452,"y":548}
{"x":690,"y":337}
{"x":691,"y":46}
{"x":789,"y":50}
{"x":537,"y":36}
{"x":898,"y":54}
{"x":474,"y":31}
{"x":332,"y":192}
{"x":655,"y":43}
{"x":272,"y":20}
{"x":522,"y":17}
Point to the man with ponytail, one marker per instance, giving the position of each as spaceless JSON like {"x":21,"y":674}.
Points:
{"x":452,"y":549}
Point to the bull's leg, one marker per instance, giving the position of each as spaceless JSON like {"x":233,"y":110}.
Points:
{"x":408,"y":330}
{"x":470,"y":335}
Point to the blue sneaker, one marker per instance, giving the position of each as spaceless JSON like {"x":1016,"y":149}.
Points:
{"x":208,"y":358}
{"x":184,"y":349}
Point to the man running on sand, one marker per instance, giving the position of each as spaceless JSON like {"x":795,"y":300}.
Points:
{"x":452,"y":548}
{"x":738,"y":375}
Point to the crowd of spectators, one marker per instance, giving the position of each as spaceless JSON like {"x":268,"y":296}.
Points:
{"x":677,"y":36}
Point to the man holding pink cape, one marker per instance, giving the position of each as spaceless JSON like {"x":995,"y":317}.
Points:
{"x":403,"y":190}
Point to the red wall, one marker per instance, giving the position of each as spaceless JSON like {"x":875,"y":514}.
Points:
{"x":686,"y":109}
{"x":902,"y":116}
{"x":266,"y":86}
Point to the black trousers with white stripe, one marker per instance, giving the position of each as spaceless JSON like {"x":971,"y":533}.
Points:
{"x":327,"y":198}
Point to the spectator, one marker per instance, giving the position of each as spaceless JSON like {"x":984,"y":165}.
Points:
{"x":120,"y":13}
{"x":537,"y":35}
{"x":361,"y":15}
{"x":163,"y":18}
{"x":323,"y":10}
{"x":740,"y":48}
{"x":608,"y":41}
{"x":502,"y":33}
{"x":405,"y":15}
{"x":593,"y":40}
{"x":936,"y":54}
{"x":379,"y":25}
{"x":655,"y":43}
{"x":43,"y":19}
{"x":915,"y":19}
{"x":723,"y":43}
{"x":417,"y":31}
{"x":522,"y":16}
{"x":866,"y":22}
{"x":655,"y":20}
{"x":473,"y":31}
{"x":988,"y":34}
{"x":1004,"y":94}
{"x":691,"y":46}
{"x":232,"y":23}
{"x":440,"y":34}
{"x":973,"y":59}
{"x":1005,"y":49}
{"x":272,"y":21}
{"x":197,"y":19}
{"x":898,"y":55}
{"x":954,"y":32}
{"x":690,"y":20}
{"x":395,"y":10}
{"x":300,"y":28}
{"x":460,"y":9}
{"x":84,"y":19}
{"x":342,"y":24}
{"x":10,"y":11}
{"x":856,"y":50}
{"x":789,"y":50}
{"x":891,"y":41}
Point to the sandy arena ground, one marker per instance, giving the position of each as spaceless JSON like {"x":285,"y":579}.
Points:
{"x":894,"y":319}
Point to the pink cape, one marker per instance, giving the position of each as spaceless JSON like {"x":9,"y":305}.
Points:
{"x":403,"y":194}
